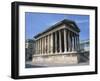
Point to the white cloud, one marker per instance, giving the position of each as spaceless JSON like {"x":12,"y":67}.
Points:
{"x":82,"y":21}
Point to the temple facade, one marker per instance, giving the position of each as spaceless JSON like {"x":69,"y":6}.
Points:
{"x":59,"y":44}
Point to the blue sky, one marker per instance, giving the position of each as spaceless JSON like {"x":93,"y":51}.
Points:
{"x":38,"y":22}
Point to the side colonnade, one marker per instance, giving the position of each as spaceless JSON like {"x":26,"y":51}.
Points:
{"x":60,"y":41}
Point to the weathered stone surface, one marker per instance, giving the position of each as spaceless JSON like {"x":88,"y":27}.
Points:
{"x":56,"y":59}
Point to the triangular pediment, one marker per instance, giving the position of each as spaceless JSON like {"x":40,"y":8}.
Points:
{"x":69,"y":23}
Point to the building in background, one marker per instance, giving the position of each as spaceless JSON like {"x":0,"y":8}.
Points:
{"x":84,"y":45}
{"x":29,"y":49}
{"x":84,"y":51}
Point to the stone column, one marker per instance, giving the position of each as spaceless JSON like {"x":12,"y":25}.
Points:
{"x":65,"y":41}
{"x":55,"y":42}
{"x":75,"y":43}
{"x":45,"y":45}
{"x":48,"y":44}
{"x":72,"y":41}
{"x":68,"y":40}
{"x":60,"y":50}
{"x":51,"y":43}
{"x":36,"y":47}
{"x":39,"y":45}
{"x":42,"y":45}
{"x":78,"y":43}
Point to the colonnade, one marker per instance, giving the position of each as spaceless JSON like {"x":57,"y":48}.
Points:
{"x":60,"y":41}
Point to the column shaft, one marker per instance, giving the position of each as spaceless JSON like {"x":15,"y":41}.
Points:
{"x":60,"y":49}
{"x":65,"y":41}
{"x":42,"y":45}
{"x":51,"y":42}
{"x":48,"y":44}
{"x":78,"y":43}
{"x":68,"y":40}
{"x":39,"y":46}
{"x":36,"y":47}
{"x":55,"y":42}
{"x":72,"y":41}
{"x":45,"y":46}
{"x":75,"y":43}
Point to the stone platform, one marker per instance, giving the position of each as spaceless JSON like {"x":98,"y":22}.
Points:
{"x":60,"y":58}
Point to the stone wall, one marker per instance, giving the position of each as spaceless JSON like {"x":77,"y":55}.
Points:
{"x":56,"y":59}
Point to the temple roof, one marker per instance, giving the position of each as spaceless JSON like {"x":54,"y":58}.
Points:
{"x":71,"y":23}
{"x":29,"y":40}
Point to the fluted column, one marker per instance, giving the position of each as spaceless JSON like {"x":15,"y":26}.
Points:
{"x":65,"y":41}
{"x":78,"y":43}
{"x":51,"y":43}
{"x":45,"y":45}
{"x":60,"y":49}
{"x":55,"y":42}
{"x":68,"y":40}
{"x":36,"y":47}
{"x":42,"y":45}
{"x":39,"y":45}
{"x":72,"y":42}
{"x":75,"y":42}
{"x":48,"y":44}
